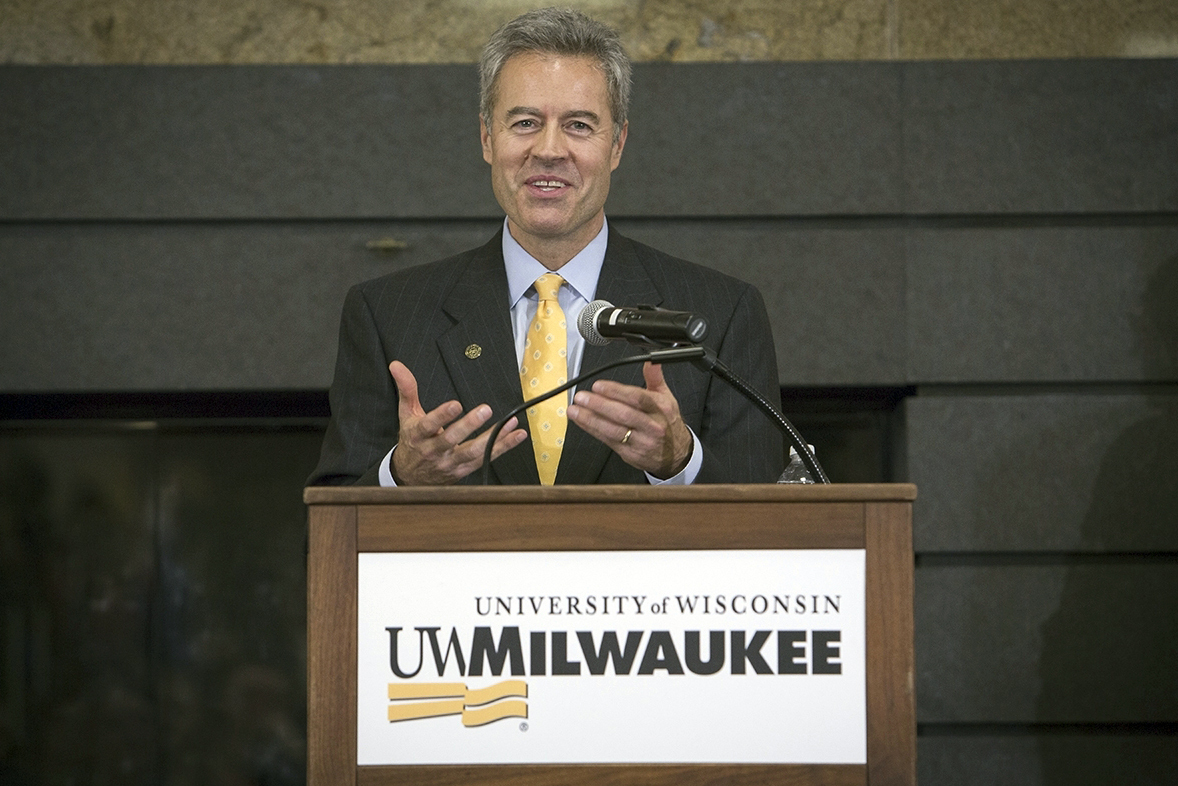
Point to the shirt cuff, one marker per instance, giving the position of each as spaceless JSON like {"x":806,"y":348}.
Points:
{"x":385,"y":474}
{"x":688,"y":474}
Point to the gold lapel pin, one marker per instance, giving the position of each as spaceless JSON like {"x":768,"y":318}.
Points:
{"x":473,"y":351}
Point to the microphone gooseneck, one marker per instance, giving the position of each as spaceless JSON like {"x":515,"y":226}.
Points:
{"x":718,"y":368}
{"x":703,"y":358}
{"x":670,"y":355}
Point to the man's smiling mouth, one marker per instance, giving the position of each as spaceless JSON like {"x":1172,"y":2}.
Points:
{"x":547,"y":185}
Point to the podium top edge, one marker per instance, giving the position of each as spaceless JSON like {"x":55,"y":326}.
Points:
{"x":761,"y":492}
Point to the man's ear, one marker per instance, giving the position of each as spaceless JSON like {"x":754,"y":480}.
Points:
{"x":485,"y":139}
{"x":616,"y":155}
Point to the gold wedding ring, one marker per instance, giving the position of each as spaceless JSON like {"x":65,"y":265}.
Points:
{"x":626,"y":438}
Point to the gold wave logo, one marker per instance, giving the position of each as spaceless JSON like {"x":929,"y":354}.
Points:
{"x":479,"y":707}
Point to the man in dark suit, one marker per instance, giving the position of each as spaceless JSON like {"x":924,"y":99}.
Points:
{"x":428,"y":356}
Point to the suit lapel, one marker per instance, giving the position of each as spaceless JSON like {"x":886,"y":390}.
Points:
{"x":478,"y":305}
{"x":623,"y":282}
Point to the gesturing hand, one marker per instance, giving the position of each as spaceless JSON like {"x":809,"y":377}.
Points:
{"x":433,"y":448}
{"x":642,"y":425}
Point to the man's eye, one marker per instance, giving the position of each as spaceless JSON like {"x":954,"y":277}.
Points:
{"x":580,"y":127}
{"x":525,"y":124}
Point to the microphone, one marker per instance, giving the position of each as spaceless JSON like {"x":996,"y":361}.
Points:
{"x":601,"y":321}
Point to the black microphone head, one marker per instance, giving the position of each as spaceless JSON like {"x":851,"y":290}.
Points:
{"x":587,"y":322}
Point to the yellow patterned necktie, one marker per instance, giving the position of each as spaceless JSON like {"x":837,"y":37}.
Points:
{"x":545,"y":366}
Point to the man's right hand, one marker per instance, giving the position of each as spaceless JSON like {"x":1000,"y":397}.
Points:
{"x":433,"y":448}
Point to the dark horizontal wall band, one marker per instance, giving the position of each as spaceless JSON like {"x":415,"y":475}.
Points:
{"x":1024,"y":729}
{"x":250,"y":305}
{"x":240,"y":141}
{"x":815,"y":221}
{"x":164,"y":405}
{"x":374,"y":141}
{"x":184,"y":306}
{"x":1037,"y":305}
{"x":1040,"y":136}
{"x":760,"y":139}
{"x":1086,"y":388}
{"x":1046,"y":759}
{"x":1087,"y":641}
{"x":859,"y":399}
{"x":1068,"y":472}
{"x":974,"y":559}
{"x":256,"y":305}
{"x":157,"y":405}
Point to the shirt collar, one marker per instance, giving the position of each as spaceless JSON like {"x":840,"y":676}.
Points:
{"x":581,"y":272}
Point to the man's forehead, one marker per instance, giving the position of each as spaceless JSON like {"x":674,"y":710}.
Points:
{"x":529,"y":61}
{"x":539,"y":56}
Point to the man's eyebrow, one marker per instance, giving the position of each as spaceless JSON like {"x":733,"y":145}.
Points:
{"x":576,"y":114}
{"x":582,"y":114}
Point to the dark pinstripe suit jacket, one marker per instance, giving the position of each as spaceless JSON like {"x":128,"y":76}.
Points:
{"x":427,"y":316}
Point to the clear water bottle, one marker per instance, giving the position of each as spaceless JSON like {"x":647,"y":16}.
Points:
{"x":795,"y":470}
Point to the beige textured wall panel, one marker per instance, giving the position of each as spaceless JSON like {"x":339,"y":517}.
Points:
{"x":443,"y":31}
{"x":733,"y":30}
{"x":453,"y":31}
{"x":1000,"y":29}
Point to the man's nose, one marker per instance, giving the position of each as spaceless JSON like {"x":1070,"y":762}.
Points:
{"x":550,"y":143}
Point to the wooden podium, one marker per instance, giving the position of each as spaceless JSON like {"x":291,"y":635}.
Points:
{"x":344,"y":522}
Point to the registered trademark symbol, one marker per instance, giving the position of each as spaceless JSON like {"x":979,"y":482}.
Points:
{"x":523,"y":726}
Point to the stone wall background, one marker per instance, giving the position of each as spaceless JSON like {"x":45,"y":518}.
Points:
{"x":226,"y":32}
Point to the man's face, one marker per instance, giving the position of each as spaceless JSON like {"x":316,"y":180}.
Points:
{"x":551,"y":151}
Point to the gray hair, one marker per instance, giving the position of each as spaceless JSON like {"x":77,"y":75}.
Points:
{"x":558,"y":31}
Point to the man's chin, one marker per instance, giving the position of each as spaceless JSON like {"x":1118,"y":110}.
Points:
{"x":546,"y":227}
{"x":555,"y":223}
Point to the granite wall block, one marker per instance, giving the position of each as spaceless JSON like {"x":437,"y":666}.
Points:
{"x":1085,"y":472}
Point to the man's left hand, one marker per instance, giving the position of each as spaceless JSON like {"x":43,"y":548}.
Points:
{"x":642,"y":425}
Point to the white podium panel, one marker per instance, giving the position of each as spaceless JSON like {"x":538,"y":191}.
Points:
{"x":584,"y":657}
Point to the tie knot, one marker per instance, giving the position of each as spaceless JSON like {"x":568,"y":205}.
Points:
{"x":547,"y":286}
